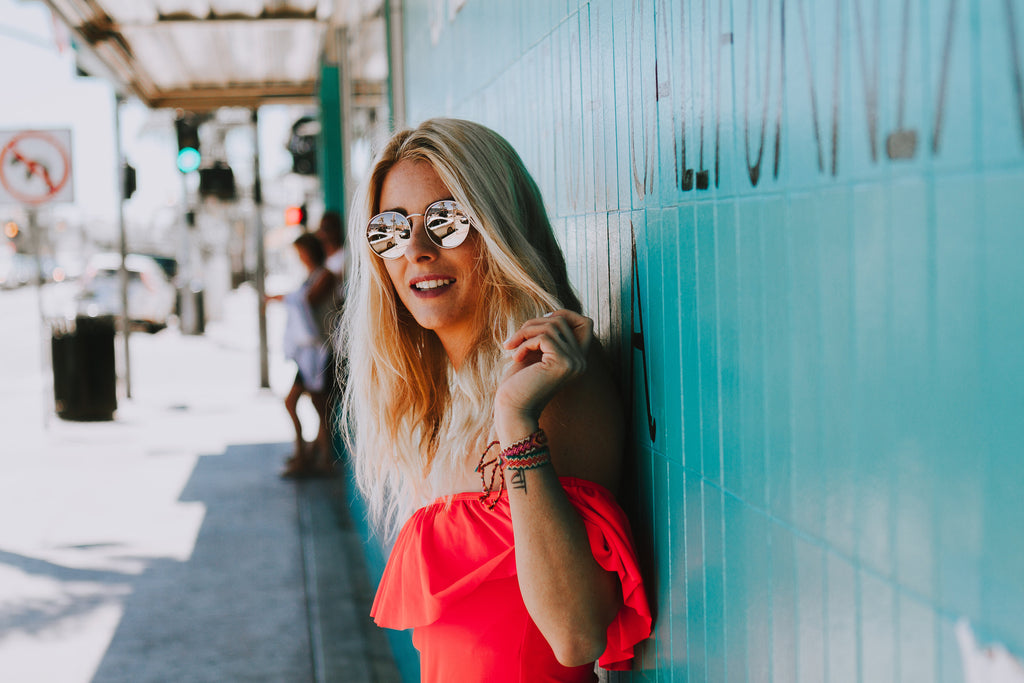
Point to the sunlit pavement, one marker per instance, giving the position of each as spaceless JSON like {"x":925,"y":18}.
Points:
{"x":162,"y":545}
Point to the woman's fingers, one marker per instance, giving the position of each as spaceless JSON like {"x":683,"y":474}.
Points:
{"x":552,"y":342}
{"x":570,"y":326}
{"x":552,"y":347}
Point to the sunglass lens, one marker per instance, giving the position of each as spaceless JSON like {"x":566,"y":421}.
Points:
{"x":388,"y":234}
{"x":446,"y":223}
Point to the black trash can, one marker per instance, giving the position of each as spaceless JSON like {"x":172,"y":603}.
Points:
{"x":84,"y":375}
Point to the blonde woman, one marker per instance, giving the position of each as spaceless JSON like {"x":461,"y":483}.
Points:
{"x":482,"y":421}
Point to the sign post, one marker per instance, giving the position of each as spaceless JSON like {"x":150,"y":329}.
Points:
{"x":35,"y":169}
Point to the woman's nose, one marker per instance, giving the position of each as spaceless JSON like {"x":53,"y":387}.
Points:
{"x":420,"y":247}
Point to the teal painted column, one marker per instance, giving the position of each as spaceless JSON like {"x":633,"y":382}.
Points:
{"x":330,"y":150}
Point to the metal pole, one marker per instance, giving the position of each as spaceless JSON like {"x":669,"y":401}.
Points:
{"x":125,"y":325}
{"x":257,"y":198}
{"x":345,"y":93}
{"x":33,"y":231}
{"x":186,"y":316}
{"x":396,"y":63}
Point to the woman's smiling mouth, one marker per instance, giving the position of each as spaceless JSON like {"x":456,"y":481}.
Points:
{"x":432,"y":285}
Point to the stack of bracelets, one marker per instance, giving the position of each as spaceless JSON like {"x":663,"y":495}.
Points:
{"x":525,"y":454}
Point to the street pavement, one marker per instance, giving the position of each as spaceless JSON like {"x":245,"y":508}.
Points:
{"x":162,"y":546}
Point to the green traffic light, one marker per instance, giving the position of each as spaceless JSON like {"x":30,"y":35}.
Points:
{"x":188,"y":159}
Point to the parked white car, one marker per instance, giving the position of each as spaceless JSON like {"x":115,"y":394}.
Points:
{"x":151,"y":295}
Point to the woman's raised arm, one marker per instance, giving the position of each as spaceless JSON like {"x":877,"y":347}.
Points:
{"x":558,"y":382}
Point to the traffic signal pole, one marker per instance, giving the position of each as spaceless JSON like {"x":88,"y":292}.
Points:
{"x":261,"y":266}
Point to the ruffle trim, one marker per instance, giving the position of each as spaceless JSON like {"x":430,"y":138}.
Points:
{"x":446,"y":550}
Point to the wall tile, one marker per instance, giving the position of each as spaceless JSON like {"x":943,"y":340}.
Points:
{"x":1002,"y":554}
{"x":588,"y":109}
{"x":810,"y":611}
{"x":669,"y":536}
{"x":646,"y":523}
{"x":812,"y":99}
{"x":877,"y":637}
{"x":760,"y":598}
{"x":784,"y":587}
{"x":757,"y":46}
{"x":995,"y":80}
{"x":674,"y":110}
{"x":871,"y":310}
{"x":916,"y":645}
{"x":708,"y":342}
{"x":777,"y":341}
{"x":726,"y":174}
{"x":805,"y":363}
{"x":950,"y":668}
{"x":750,"y":289}
{"x":686,"y":406}
{"x":950,"y":131}
{"x":728,"y":341}
{"x":659,"y":222}
{"x":691,"y":578}
{"x":677,"y":318}
{"x":620,"y":33}
{"x":835,"y":272}
{"x":714,"y":582}
{"x":841,"y":621}
{"x":735,"y":599}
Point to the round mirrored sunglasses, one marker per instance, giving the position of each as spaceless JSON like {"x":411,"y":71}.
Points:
{"x":390,"y":232}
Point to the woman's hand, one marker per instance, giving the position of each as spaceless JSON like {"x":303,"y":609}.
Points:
{"x":546,"y":353}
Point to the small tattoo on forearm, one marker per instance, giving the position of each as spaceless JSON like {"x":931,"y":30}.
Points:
{"x":519,"y":480}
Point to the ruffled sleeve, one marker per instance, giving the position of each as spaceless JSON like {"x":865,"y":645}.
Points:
{"x":612,"y":545}
{"x":446,"y":550}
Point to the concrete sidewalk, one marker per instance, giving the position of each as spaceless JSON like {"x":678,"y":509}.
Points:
{"x":163,"y":546}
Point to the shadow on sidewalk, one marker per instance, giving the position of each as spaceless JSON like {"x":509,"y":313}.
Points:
{"x":244,"y":605}
{"x":36,"y":616}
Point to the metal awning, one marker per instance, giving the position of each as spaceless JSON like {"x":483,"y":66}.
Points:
{"x":203,"y":54}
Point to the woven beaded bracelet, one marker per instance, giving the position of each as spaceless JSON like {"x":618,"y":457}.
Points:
{"x":533,"y":442}
{"x":530,"y":461}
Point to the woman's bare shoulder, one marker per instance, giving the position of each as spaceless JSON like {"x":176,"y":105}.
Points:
{"x":585,"y":424}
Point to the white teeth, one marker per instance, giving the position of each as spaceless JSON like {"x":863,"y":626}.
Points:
{"x":432,"y":284}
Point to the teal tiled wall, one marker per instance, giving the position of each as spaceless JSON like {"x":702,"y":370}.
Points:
{"x":826,"y":199}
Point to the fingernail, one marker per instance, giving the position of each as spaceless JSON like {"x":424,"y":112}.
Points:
{"x":548,"y":315}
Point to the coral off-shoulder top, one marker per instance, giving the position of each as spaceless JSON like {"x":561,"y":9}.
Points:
{"x":451,"y":577}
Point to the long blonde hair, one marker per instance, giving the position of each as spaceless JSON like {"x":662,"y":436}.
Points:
{"x":408,"y":416}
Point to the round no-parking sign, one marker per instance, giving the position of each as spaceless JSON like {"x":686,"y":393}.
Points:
{"x":35,"y":167}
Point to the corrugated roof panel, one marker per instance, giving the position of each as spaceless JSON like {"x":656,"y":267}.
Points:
{"x":237,"y":8}
{"x":198,"y":9}
{"x":126,"y":12}
{"x":241,"y":52}
{"x":157,"y":56}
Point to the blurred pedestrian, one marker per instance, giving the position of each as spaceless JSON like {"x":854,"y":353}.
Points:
{"x":310,"y":310}
{"x":333,"y":237}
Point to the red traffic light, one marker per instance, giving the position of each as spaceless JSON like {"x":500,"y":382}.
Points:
{"x":295,"y":215}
